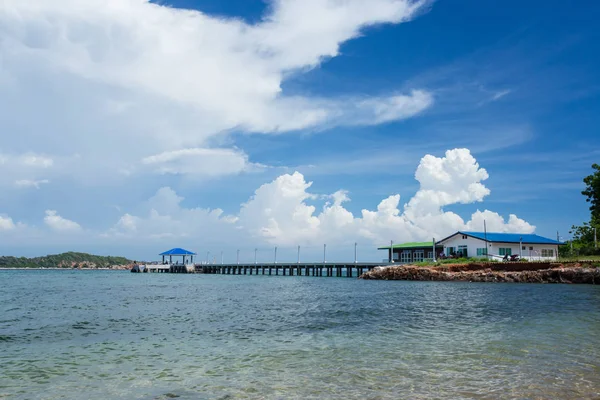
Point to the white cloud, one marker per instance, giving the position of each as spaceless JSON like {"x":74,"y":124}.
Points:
{"x":280,"y":213}
{"x":6,"y":223}
{"x":500,"y":94}
{"x":60,"y":224}
{"x":118,"y":82}
{"x":201,"y":162}
{"x":394,"y":108}
{"x":27,"y":183}
{"x":166,"y":218}
{"x":34,"y":160}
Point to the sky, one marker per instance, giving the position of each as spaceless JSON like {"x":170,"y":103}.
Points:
{"x":128,"y":127}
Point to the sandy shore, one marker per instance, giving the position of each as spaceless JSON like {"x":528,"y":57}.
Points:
{"x":492,"y":272}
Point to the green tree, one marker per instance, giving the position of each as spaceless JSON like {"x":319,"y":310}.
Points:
{"x":592,"y":193}
{"x":584,"y":235}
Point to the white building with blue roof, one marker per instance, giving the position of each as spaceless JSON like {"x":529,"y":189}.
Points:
{"x":495,"y":245}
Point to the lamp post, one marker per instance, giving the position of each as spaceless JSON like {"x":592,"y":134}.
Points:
{"x":238,"y":257}
{"x":275,"y":254}
{"x":298,"y":261}
{"x":355,"y":259}
{"x":324,"y":253}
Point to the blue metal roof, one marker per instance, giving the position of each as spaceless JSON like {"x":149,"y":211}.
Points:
{"x":177,"y":252}
{"x":510,"y":237}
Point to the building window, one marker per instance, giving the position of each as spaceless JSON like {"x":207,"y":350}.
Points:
{"x":462,"y":251}
{"x":547,"y":253}
{"x":419,"y":255}
{"x":430,"y":255}
{"x":523,"y":248}
{"x":482,"y":251}
{"x":464,"y":236}
{"x":530,"y":248}
{"x":505,"y":251}
{"x":405,"y":256}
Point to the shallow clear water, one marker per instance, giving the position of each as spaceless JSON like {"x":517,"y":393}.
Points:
{"x":106,"y":334}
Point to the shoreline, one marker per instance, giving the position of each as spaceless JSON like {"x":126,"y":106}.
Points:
{"x":518,"y":272}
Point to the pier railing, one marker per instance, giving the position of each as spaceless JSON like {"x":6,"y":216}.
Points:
{"x":343,"y":269}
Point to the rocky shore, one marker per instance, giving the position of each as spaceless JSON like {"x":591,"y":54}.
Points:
{"x":521,"y":272}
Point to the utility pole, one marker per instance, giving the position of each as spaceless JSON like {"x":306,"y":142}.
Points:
{"x":557,"y":246}
{"x":571,"y":246}
{"x":487,"y":257}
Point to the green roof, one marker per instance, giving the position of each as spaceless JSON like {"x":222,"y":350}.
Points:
{"x":410,"y":245}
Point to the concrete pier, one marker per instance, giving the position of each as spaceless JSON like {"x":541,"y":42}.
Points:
{"x":291,"y":269}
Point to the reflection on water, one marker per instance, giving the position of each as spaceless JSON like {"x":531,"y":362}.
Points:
{"x":87,"y":334}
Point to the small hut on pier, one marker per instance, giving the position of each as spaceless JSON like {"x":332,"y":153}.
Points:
{"x":186,"y":256}
{"x":183,"y":265}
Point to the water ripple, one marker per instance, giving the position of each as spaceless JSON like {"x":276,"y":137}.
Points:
{"x":78,"y":334}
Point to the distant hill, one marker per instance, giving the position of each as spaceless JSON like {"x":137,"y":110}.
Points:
{"x":64,"y":260}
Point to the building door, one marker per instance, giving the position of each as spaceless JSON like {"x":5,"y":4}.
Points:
{"x":462,"y":251}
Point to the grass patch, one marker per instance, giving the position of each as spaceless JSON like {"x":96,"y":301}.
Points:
{"x":451,"y":261}
{"x":579,"y":258}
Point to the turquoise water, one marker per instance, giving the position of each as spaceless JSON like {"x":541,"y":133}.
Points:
{"x":117,"y":335}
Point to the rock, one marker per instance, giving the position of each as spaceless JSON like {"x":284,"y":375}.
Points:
{"x":491,"y":272}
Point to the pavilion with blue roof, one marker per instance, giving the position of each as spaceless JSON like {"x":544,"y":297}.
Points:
{"x":178,"y":252}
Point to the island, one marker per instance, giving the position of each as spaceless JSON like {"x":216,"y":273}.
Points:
{"x":68,"y":260}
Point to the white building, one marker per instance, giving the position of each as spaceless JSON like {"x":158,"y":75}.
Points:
{"x":497,"y":245}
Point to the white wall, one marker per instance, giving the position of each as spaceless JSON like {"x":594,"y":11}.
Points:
{"x":534,"y":255}
{"x":472,"y":244}
{"x":493,"y":248}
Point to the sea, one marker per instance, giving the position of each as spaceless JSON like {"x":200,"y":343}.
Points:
{"x":117,"y":335}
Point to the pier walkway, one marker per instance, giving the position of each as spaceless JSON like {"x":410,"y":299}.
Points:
{"x":292,"y":269}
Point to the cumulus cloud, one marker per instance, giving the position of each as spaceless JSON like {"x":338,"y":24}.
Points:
{"x":281,"y":213}
{"x":166,"y":218}
{"x":278,"y":211}
{"x":146,"y":82}
{"x":60,"y":224}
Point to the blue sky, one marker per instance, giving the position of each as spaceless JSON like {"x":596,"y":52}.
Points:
{"x":124,"y":129}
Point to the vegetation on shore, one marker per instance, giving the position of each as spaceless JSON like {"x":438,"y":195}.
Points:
{"x":64,"y":260}
{"x":591,"y":260}
{"x":585,"y":236}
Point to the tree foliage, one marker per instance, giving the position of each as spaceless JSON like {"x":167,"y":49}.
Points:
{"x":64,"y":260}
{"x":583,"y":235}
{"x":592,"y":193}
